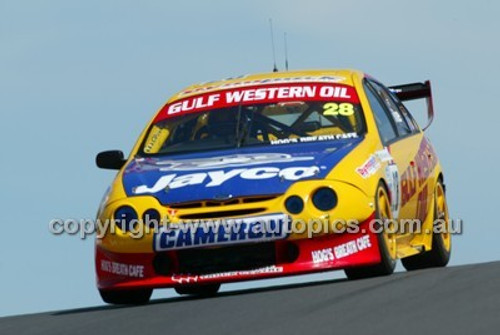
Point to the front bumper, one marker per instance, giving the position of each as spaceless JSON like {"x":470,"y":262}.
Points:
{"x":230,"y":264}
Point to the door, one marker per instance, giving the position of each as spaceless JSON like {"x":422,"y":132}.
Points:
{"x":402,"y":139}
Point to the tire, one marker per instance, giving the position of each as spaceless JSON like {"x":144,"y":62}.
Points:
{"x":199,"y":290}
{"x":440,"y":253}
{"x":386,"y":242}
{"x":126,"y":297}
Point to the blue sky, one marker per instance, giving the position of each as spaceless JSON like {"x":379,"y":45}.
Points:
{"x":80,"y":77}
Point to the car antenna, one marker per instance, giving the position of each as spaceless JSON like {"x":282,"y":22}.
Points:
{"x":275,"y":68}
{"x":286,"y":54}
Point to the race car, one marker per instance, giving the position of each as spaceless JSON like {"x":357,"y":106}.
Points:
{"x":272,"y":175}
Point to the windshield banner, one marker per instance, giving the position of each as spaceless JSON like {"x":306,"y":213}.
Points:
{"x":260,"y":94}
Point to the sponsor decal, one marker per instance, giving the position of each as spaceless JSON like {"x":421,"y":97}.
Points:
{"x":322,"y":255}
{"x":219,"y":177}
{"x":260,"y":271}
{"x":341,"y":250}
{"x":261,"y":94}
{"x":394,"y":185}
{"x":373,"y":163}
{"x":416,"y":175}
{"x":352,"y":247}
{"x":369,"y":167}
{"x":335,"y":109}
{"x":186,"y":279}
{"x":319,"y":138}
{"x":239,"y":172}
{"x":122,"y":269}
{"x":246,"y":83}
{"x":384,"y":155}
{"x":155,"y":140}
{"x":224,"y":231}
{"x":392,"y":178}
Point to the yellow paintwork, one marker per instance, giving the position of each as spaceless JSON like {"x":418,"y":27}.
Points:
{"x":355,"y":193}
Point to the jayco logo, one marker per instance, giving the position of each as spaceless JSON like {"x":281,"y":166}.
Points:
{"x":219,"y":177}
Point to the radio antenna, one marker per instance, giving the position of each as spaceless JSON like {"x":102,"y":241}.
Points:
{"x":286,"y":54}
{"x":275,"y":68}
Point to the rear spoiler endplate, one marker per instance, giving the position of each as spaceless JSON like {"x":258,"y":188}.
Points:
{"x":416,"y":91}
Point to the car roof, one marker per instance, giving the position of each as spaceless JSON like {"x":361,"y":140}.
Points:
{"x":342,"y":76}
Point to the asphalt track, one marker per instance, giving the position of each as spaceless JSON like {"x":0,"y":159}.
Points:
{"x":453,"y":300}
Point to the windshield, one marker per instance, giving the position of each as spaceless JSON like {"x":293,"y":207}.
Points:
{"x":199,"y":126}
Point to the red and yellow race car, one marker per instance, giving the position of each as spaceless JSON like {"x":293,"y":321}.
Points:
{"x":272,"y":175}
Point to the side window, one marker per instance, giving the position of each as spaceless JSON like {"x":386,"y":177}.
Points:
{"x":399,"y":120}
{"x":384,"y":124}
{"x":412,"y":123}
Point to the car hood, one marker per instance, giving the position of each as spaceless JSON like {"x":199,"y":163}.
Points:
{"x":225,"y":174}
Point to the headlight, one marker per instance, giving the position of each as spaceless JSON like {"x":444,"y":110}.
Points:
{"x":125,"y":217}
{"x":294,"y":204}
{"x":324,"y":199}
{"x":151,"y":218}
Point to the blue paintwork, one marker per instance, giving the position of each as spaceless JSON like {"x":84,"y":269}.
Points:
{"x":147,"y":171}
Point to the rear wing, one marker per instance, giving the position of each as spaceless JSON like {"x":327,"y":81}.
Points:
{"x":416,"y":91}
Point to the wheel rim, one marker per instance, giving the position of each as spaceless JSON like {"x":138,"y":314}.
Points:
{"x":384,"y":212}
{"x":442,"y":214}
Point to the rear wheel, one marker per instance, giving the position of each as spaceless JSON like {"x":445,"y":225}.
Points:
{"x":199,"y":290}
{"x":440,"y":253}
{"x":126,"y":297}
{"x":386,"y":241}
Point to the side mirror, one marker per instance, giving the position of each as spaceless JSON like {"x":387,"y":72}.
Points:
{"x":113,"y":160}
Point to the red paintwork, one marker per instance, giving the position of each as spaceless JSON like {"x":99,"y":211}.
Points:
{"x":222,"y":100}
{"x":134,"y":263}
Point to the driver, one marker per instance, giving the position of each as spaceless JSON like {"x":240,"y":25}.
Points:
{"x":220,"y":123}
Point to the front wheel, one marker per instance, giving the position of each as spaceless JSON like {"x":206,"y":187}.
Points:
{"x":126,"y":297}
{"x":386,"y":241}
{"x":440,"y":253}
